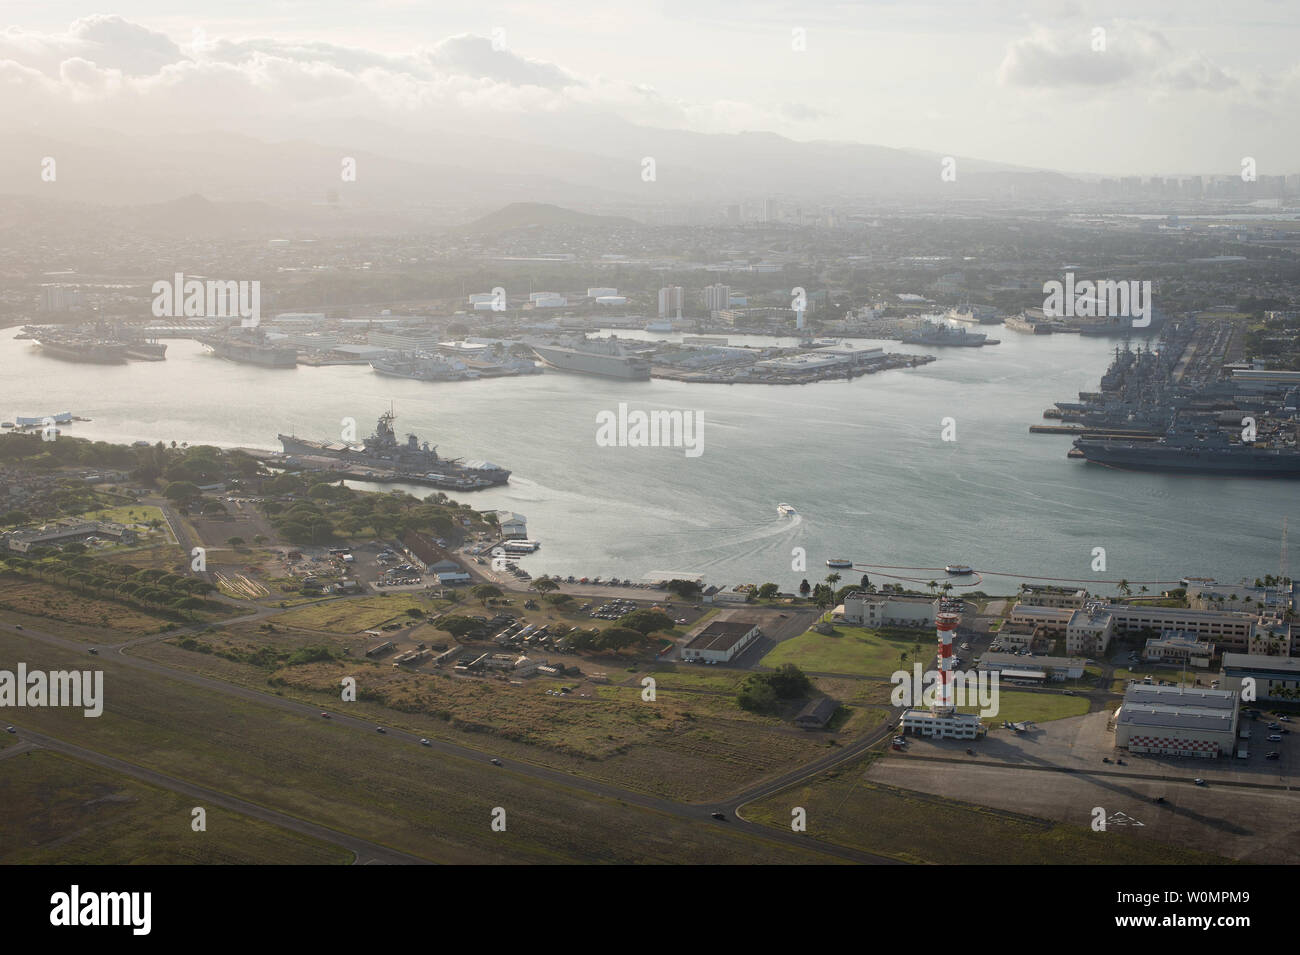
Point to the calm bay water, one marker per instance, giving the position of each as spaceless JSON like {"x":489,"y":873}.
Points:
{"x":862,"y":461}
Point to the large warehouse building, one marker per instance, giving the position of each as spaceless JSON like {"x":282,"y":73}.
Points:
{"x":721,"y":641}
{"x":1177,"y":721}
{"x":1276,"y":678}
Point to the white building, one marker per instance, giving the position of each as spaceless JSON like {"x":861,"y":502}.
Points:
{"x":1173,"y":646}
{"x":1275,"y":678}
{"x":721,"y":641}
{"x":1058,"y":668}
{"x":942,"y":724}
{"x":1177,"y":721}
{"x":881,"y":610}
{"x":1088,"y":631}
{"x":601,"y":292}
{"x":671,"y":302}
{"x":1054,"y":620}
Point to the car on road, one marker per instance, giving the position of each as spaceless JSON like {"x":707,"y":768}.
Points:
{"x":1273,"y":755}
{"x":1285,"y":719}
{"x":1275,"y":738}
{"x":1121,"y":762}
{"x":1275,"y":726}
{"x":380,"y":729}
{"x":719,"y":815}
{"x":92,"y":651}
{"x":1199,"y":782}
{"x":18,"y":626}
{"x":494,"y":761}
{"x":425,"y":742}
{"x":1160,"y":799}
{"x":325,"y":716}
{"x":10,"y":729}
{"x":1105,"y":759}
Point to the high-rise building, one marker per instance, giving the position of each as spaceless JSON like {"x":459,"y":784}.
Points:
{"x":717,"y":297}
{"x":670,"y":302}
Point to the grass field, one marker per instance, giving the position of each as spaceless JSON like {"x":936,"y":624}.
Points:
{"x":379,"y":788}
{"x":128,"y":514}
{"x":352,"y":615}
{"x":48,"y":605}
{"x":1039,"y":707}
{"x":854,"y":650}
{"x":687,"y":744}
{"x":65,"y":812}
{"x":845,"y":808}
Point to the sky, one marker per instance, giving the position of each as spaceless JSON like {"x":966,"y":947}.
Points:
{"x":1142,"y":87}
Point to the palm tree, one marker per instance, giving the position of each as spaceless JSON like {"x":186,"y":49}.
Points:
{"x":832,"y":579}
{"x":1124,"y":588}
{"x":932,"y":585}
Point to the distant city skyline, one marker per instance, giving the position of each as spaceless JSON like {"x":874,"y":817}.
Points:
{"x":1153,"y":96}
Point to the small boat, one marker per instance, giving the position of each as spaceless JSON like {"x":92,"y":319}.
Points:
{"x":786,"y":510}
{"x":6,"y":424}
{"x":839,"y":562}
{"x":958,"y":570}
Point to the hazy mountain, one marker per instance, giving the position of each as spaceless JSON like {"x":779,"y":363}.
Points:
{"x":531,"y":215}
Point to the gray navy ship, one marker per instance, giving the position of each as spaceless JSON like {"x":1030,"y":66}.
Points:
{"x":606,"y":357}
{"x":412,"y":461}
{"x":938,"y":333}
{"x":1192,"y":454}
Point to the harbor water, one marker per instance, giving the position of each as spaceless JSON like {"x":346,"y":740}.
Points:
{"x":864,"y":462}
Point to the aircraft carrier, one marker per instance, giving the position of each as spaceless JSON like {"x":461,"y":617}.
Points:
{"x":606,"y":357}
{"x":1193,"y":454}
{"x":253,"y":350}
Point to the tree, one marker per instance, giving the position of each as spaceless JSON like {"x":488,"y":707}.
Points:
{"x":866,"y":582}
{"x":544,"y":585}
{"x":832,"y":579}
{"x":618,"y":638}
{"x":182,"y":492}
{"x":647,"y":621}
{"x":686,"y":589}
{"x":768,"y":591}
{"x":485,"y":592}
{"x":559,"y":601}
{"x":458,"y":627}
{"x":235,"y":542}
{"x":1124,"y":588}
{"x":804,"y":587}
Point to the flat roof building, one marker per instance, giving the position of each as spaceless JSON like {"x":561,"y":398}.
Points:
{"x":1276,"y":678}
{"x":1177,"y":721}
{"x":943,"y":724}
{"x":1053,"y":619}
{"x":1176,"y":646}
{"x":1089,"y":630}
{"x":884,"y":610}
{"x":1058,"y":668}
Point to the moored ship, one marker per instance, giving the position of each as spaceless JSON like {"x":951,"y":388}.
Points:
{"x":1192,"y":454}
{"x":423,"y":368}
{"x":414,"y":461}
{"x":250,"y":351}
{"x":605,"y":357}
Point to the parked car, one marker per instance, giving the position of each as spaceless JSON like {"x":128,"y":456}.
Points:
{"x":1273,"y":755}
{"x":1275,"y":738}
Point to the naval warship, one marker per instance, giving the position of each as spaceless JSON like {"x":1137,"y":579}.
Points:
{"x":416,"y":462}
{"x":1192,"y":454}
{"x":606,"y":357}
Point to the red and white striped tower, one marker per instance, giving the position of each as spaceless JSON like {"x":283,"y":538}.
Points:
{"x":947,"y":625}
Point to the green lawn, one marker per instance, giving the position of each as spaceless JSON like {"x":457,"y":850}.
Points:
{"x":1040,"y":707}
{"x":855,"y":650}
{"x":351,"y":614}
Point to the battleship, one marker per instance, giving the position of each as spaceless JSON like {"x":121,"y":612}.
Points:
{"x":606,"y":357}
{"x":937,"y":333}
{"x":383,"y":458}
